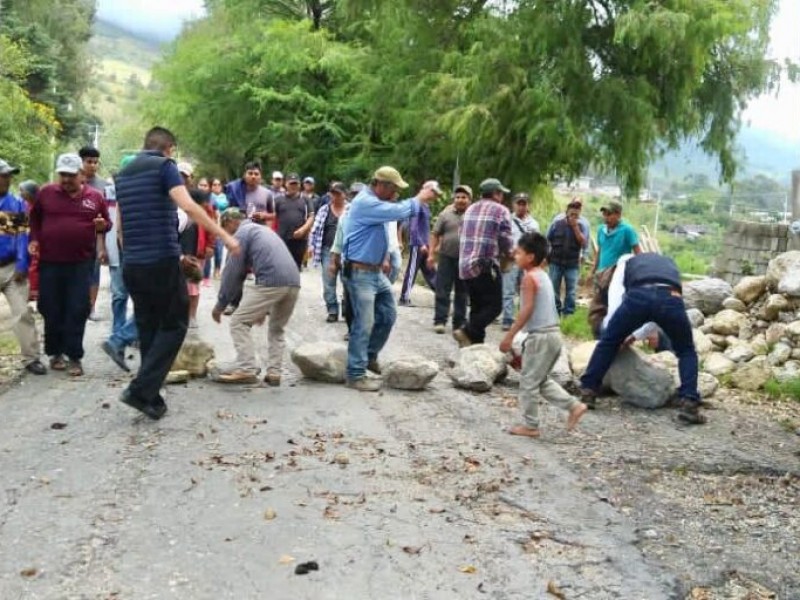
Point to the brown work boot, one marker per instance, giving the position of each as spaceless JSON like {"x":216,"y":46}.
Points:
{"x":236,"y":376}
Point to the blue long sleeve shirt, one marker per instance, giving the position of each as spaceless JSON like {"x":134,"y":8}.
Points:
{"x":15,"y":245}
{"x":365,"y":238}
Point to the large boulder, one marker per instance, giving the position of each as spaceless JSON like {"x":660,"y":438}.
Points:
{"x":753,"y":375}
{"x":638,"y":381}
{"x":718,"y":364}
{"x":193,"y":356}
{"x":784,"y":266}
{"x":702,"y":343}
{"x":706,"y":295}
{"x":774,"y":306}
{"x":696,"y":317}
{"x":410,"y":373}
{"x":478,"y":368}
{"x":734,"y":304}
{"x":579,"y":357}
{"x":749,"y":289}
{"x":727,"y":322}
{"x":322,"y":361}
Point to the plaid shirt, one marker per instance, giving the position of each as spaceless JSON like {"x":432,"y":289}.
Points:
{"x":485,"y":235}
{"x":318,"y":232}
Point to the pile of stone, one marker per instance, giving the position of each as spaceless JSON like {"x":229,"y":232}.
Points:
{"x":749,"y":334}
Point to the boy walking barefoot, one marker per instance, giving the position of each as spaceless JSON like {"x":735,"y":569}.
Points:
{"x":539,"y":318}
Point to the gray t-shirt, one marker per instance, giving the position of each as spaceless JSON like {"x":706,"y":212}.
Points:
{"x":257,"y":201}
{"x":447,"y":229}
{"x":291,"y":213}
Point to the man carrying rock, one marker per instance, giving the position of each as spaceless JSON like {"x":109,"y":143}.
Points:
{"x":277,"y":285}
{"x":368,"y":288}
{"x":485,"y":238}
{"x":653,"y":293}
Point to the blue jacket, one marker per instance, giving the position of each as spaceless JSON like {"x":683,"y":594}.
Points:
{"x":15,"y":245}
{"x":236,"y":191}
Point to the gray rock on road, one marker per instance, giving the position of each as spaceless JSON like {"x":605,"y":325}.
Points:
{"x":409,"y":373}
{"x":194,"y":356}
{"x":321,"y":361}
{"x":478,"y":368}
{"x":707,"y":295}
{"x":638,"y":381}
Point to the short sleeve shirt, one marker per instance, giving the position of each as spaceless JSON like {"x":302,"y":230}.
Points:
{"x":292,"y":213}
{"x":615,"y":243}
{"x":256,"y":201}
{"x":447,"y":228}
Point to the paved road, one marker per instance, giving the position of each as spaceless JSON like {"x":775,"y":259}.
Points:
{"x":395,"y":495}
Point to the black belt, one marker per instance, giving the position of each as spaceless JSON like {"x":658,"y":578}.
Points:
{"x":4,"y":262}
{"x":661,"y":286}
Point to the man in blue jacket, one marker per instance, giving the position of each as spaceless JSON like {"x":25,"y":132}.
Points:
{"x":14,"y":261}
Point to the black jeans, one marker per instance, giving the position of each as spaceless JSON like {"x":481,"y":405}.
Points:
{"x":485,"y":302}
{"x":297,"y":248}
{"x":446,"y":279}
{"x":64,"y":304}
{"x":161,"y":309}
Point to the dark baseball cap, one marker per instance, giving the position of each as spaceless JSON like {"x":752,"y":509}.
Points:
{"x":293,"y":177}
{"x":522,"y":197}
{"x":611,"y":207}
{"x":491,"y":185}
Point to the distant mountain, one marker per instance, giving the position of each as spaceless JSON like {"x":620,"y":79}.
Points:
{"x":110,"y":42}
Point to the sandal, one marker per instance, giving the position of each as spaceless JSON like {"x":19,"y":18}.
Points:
{"x":57,"y":363}
{"x":75,"y":368}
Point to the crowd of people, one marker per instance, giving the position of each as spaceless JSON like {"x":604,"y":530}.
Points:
{"x":164,"y":235}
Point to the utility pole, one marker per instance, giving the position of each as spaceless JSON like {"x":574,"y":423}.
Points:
{"x":96,"y":141}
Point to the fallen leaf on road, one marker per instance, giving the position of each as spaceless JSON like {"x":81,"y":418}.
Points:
{"x":58,"y":426}
{"x":105,"y":405}
{"x":413,"y":550}
{"x":437,"y":510}
{"x":554,"y":590}
{"x":29,"y":572}
{"x":265,"y":488}
{"x":329,"y":513}
{"x":468,"y":569}
{"x":269,"y":514}
{"x":468,"y":539}
{"x":286,"y":559}
{"x":306,"y":567}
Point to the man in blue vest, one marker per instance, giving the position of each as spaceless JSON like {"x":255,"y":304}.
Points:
{"x":148,"y":190}
{"x":652,"y":293}
{"x":568,"y":239}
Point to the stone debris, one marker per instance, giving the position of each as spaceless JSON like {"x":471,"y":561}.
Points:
{"x":410,"y":373}
{"x":322,"y":361}
{"x":478,"y":367}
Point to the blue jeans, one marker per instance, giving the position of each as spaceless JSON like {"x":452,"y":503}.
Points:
{"x":511,"y":281}
{"x":123,"y":328}
{"x":570,"y":277}
{"x":640,"y":305}
{"x":218,"y":248}
{"x":329,"y":284}
{"x":374,"y":314}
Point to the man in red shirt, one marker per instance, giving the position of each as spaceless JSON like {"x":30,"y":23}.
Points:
{"x":68,"y":225}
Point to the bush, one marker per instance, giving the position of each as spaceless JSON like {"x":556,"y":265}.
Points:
{"x":576,"y":326}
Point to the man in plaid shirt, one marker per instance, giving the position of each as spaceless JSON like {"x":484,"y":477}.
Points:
{"x":485,"y":237}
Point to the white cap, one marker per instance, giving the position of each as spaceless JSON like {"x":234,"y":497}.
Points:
{"x":70,"y":164}
{"x":186,"y":168}
{"x":433,"y":185}
{"x":277,"y":175}
{"x":308,"y":180}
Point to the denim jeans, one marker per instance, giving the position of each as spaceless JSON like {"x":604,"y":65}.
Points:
{"x":570,"y":277}
{"x":485,"y":302}
{"x":218,"y":248}
{"x":640,"y":305}
{"x":374,"y":314}
{"x":329,"y":284}
{"x":446,"y":279}
{"x":161,"y":306}
{"x":64,"y":304}
{"x":123,"y":328}
{"x":511,"y":281}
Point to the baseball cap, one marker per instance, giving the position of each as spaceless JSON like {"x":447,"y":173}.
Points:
{"x":463,"y":188}
{"x":493,"y":185}
{"x":29,"y":187}
{"x":522,"y":197}
{"x":71,"y":164}
{"x":185,"y":168}
{"x":575,"y":203}
{"x":277,"y":175}
{"x":309,"y":180}
{"x":339,"y":188}
{"x":611,"y":207}
{"x":433,"y":185}
{"x":390,"y":175}
{"x":293,"y":177}
{"x":7,"y":169}
{"x":356,"y":187}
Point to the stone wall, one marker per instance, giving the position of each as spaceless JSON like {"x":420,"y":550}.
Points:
{"x":748,"y":248}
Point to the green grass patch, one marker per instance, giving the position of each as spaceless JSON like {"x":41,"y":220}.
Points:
{"x":783,"y":389}
{"x":8,"y":344}
{"x":576,"y":325}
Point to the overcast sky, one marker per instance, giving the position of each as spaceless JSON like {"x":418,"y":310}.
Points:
{"x":781,"y":115}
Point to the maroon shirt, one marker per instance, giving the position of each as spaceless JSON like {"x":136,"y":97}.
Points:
{"x":64,"y":225}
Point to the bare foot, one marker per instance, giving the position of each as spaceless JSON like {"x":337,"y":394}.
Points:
{"x":575,"y":415}
{"x":524,"y":431}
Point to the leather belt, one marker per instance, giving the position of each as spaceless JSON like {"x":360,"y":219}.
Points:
{"x":662,"y":286}
{"x":365,"y":266}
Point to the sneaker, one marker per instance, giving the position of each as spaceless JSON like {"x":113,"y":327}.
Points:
{"x":374,"y":366}
{"x":237,"y":376}
{"x":365,"y":384}
{"x":273,"y":379}
{"x":332,"y":318}
{"x":118,"y":356}
{"x":506,"y":327}
{"x":36,"y":367}
{"x":589,"y":398}
{"x":689,"y":413}
{"x":462,"y":338}
{"x":439,"y":328}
